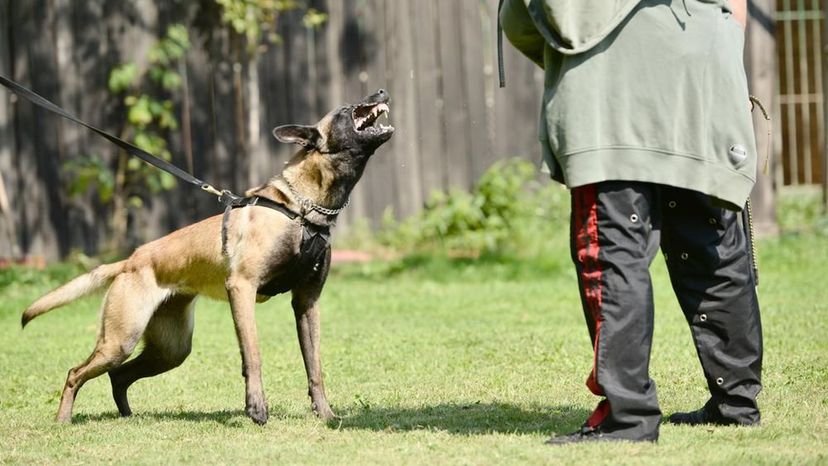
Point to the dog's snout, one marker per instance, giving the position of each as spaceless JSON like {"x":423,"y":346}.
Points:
{"x":381,"y":96}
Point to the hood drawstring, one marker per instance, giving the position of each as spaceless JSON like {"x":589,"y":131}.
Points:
{"x":754,"y":101}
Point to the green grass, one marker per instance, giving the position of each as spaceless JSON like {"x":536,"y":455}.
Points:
{"x":427,"y":362}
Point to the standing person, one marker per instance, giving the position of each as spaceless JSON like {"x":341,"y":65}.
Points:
{"x":646,"y":118}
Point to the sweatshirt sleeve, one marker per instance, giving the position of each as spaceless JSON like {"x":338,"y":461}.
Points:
{"x":521,"y":31}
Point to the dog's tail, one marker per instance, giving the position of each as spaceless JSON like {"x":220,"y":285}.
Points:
{"x":76,"y":288}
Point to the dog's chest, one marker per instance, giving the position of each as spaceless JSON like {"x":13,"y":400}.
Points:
{"x":302,"y":267}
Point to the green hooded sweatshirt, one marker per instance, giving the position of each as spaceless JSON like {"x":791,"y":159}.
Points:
{"x":641,"y":90}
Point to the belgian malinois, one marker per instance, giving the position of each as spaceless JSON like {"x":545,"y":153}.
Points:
{"x":231,"y":257}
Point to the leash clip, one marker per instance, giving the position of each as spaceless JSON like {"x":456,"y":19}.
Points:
{"x":227,"y":198}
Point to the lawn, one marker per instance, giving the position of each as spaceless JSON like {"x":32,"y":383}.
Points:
{"x":427,"y":362}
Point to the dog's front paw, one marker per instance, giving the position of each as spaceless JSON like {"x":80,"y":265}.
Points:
{"x":257,"y":411}
{"x":323,"y":411}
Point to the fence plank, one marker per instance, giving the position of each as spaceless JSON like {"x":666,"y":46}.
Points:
{"x":470,"y":23}
{"x":426,"y":75}
{"x":379,"y":182}
{"x":352,"y":39}
{"x":45,"y":232}
{"x":8,"y":176}
{"x":456,"y":126}
{"x":760,"y":62}
{"x":824,"y":162}
{"x":406,"y":153}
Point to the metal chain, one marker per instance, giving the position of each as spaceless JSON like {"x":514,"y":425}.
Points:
{"x":308,"y":204}
{"x":752,"y":240}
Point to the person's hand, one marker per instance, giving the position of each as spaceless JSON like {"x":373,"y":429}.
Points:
{"x":739,"y":8}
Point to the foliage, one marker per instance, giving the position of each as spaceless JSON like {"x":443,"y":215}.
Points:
{"x":255,"y":19}
{"x":800,"y":210}
{"x":20,"y":276}
{"x":88,"y":171}
{"x":150,"y":117}
{"x":507,"y":212}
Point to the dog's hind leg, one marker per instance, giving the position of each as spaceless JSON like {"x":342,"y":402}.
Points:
{"x":167,"y":343}
{"x":127,"y":309}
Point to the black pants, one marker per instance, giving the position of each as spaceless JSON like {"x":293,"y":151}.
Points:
{"x":617,"y":228}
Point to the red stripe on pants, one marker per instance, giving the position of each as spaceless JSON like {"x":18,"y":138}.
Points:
{"x":599,"y":414}
{"x":587,"y":248}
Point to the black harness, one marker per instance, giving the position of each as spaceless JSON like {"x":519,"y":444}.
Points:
{"x":316,"y":242}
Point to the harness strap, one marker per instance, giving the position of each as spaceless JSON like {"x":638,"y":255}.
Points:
{"x":316,"y":239}
{"x":232,"y":201}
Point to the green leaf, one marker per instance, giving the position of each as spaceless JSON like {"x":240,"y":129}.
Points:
{"x":171,"y":81}
{"x":122,"y":77}
{"x":139,"y":114}
{"x":136,"y":202}
{"x":143,"y":141}
{"x":156,"y":73}
{"x":156,"y":107}
{"x":313,"y":19}
{"x":178,"y":33}
{"x":158,"y":55}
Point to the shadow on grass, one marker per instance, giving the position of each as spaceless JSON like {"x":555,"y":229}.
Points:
{"x":463,"y":419}
{"x":227,"y":417}
{"x":467,"y":419}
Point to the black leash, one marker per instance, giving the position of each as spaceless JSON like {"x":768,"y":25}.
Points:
{"x":40,"y":101}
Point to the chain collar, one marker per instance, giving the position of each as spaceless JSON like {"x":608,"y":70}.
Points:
{"x":308,"y":204}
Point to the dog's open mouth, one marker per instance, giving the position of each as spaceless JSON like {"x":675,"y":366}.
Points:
{"x":365,"y":115}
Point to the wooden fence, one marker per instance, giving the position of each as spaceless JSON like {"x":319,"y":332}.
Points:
{"x":799,"y":29}
{"x":436,"y":58}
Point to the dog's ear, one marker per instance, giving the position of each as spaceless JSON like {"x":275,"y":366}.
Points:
{"x":307,"y":136}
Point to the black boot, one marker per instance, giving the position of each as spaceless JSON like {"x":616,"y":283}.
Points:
{"x":584,"y":434}
{"x":593,"y":434}
{"x":707,"y":414}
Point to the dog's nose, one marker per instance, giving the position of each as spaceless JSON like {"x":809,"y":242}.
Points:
{"x":381,"y":96}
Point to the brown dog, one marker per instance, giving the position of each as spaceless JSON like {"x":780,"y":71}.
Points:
{"x":263,"y":247}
